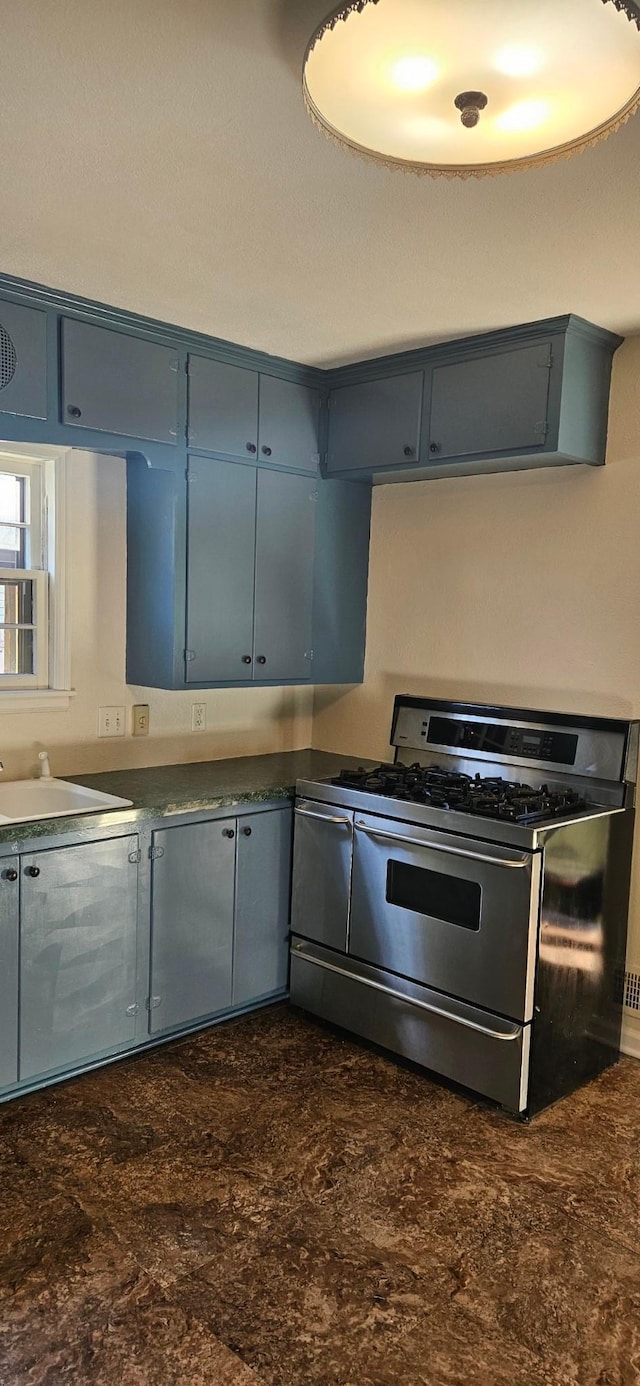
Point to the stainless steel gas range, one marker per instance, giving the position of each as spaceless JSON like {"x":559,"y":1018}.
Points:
{"x":466,"y":905}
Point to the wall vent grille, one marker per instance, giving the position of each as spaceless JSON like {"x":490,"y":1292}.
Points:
{"x":8,"y":358}
{"x":628,"y":989}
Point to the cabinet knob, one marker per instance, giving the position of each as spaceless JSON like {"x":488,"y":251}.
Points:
{"x":434,"y":447}
{"x":251,"y":447}
{"x":33,"y":871}
{"x":266,"y":452}
{"x":408,"y":452}
{"x":228,"y":832}
{"x":73,"y":411}
{"x":246,"y":832}
{"x":246,"y":659}
{"x":11,"y":875}
{"x":262,"y":659}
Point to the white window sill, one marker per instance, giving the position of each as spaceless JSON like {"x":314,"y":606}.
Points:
{"x":35,"y":699}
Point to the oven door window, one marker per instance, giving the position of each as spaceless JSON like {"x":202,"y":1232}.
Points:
{"x":449,"y":898}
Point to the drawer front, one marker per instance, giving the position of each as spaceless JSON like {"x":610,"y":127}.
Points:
{"x":460,"y":1042}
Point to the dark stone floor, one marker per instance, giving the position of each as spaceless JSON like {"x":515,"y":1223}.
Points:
{"x":271,"y":1205}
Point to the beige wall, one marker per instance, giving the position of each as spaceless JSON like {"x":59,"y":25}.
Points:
{"x":522,"y":588}
{"x":239,"y":721}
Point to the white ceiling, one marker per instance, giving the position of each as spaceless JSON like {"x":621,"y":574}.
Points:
{"x":155,"y":154}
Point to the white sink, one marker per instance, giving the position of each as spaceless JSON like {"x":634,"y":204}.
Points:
{"x":24,"y":800}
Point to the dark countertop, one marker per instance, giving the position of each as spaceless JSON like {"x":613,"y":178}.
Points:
{"x":162,"y":790}
{"x":211,"y":784}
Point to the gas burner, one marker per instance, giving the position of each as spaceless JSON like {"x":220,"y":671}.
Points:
{"x":485,"y":796}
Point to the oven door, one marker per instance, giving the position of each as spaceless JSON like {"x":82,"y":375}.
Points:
{"x":448,"y":912}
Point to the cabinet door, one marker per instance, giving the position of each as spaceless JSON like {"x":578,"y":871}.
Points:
{"x":285,"y":536}
{"x":192,"y":922}
{"x":263,"y":885}
{"x":221,"y":555}
{"x":223,"y":407}
{"x":118,"y":384}
{"x":289,"y":422}
{"x":77,"y":953}
{"x":322,"y":856}
{"x":491,"y":404}
{"x":9,"y":897}
{"x":375,"y":423}
{"x":23,"y":361}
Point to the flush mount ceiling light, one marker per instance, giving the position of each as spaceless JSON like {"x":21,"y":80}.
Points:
{"x":463,"y":88}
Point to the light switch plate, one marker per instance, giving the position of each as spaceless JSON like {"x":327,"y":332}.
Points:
{"x":111,"y":721}
{"x":140,"y":713}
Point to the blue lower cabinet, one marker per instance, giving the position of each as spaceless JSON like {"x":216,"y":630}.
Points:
{"x":9,"y":946}
{"x":77,"y":954}
{"x":263,"y":889}
{"x":219,"y":916}
{"x":193,"y":889}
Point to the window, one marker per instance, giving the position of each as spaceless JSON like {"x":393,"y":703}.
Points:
{"x":33,"y":598}
{"x":24,"y":615}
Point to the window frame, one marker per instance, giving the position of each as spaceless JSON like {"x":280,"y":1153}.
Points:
{"x":39,"y":579}
{"x":50,"y":685}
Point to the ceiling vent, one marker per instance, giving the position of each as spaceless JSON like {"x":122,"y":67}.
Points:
{"x":8,"y":358}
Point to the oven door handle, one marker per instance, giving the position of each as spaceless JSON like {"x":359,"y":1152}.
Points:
{"x":324,"y":817}
{"x":441,"y":847}
{"x":511,"y":1034}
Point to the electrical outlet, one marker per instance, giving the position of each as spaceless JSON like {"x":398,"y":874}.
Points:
{"x":111,"y":721}
{"x":198,"y":716}
{"x":141,"y":719}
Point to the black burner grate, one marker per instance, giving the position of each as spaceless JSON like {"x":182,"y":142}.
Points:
{"x":487,"y":797}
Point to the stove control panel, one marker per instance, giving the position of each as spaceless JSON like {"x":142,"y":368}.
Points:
{"x":601,"y":749}
{"x":498,"y":738}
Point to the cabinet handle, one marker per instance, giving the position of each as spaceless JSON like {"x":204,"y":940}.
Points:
{"x":74,"y":411}
{"x":33,"y":871}
{"x":246,"y":659}
{"x":262,"y":659}
{"x":10,"y":875}
{"x":408,"y":452}
{"x":251,"y":447}
{"x":266,"y":452}
{"x":246,"y":832}
{"x":434,"y":447}
{"x":228,"y":832}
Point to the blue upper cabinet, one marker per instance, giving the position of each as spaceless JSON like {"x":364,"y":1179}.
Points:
{"x":375,"y":423}
{"x":285,"y":545}
{"x":223,"y":408}
{"x":250,"y":565}
{"x":119,"y":384}
{"x":220,"y":571}
{"x":244,"y":414}
{"x":531,"y":396}
{"x":23,"y":361}
{"x":244,"y":574}
{"x":289,"y":420}
{"x":491,"y":404}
